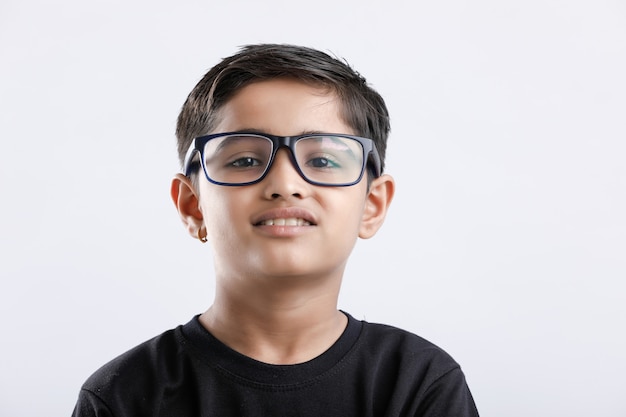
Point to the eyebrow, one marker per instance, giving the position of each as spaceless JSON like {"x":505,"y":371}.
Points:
{"x":302,"y":133}
{"x":233,"y":135}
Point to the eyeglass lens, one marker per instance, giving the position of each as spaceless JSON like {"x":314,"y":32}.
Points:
{"x":244,"y":158}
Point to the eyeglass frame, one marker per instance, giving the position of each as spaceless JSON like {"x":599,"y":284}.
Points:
{"x":371,"y":156}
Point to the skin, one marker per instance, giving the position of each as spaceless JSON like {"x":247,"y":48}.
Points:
{"x":277,"y":286}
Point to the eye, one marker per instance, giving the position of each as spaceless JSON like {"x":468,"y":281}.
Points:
{"x":244,"y":162}
{"x":322,"y":162}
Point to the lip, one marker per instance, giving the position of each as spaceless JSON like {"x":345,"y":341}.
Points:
{"x":285,"y":213}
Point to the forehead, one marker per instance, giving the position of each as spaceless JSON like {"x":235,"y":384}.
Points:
{"x":283,"y":107}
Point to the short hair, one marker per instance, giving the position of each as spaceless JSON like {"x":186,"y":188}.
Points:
{"x":363,"y":109}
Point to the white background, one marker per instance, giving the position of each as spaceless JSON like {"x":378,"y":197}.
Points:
{"x":505,"y":244}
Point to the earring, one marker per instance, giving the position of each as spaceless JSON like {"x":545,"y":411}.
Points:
{"x":202,"y":238}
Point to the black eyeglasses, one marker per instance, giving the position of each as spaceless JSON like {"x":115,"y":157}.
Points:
{"x":245,"y":158}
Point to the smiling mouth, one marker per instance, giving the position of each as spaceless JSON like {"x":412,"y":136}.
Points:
{"x":291,"y":221}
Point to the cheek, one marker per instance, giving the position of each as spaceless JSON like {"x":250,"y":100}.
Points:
{"x":220,"y":212}
{"x":348,"y":213}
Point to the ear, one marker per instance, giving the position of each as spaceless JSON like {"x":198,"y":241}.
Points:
{"x":377,"y":202}
{"x":185,"y":199}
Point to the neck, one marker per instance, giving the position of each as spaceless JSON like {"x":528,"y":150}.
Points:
{"x":278,"y":325}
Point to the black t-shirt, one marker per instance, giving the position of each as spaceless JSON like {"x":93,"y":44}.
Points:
{"x":372,"y":370}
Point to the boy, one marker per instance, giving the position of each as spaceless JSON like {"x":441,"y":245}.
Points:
{"x":283,"y":150}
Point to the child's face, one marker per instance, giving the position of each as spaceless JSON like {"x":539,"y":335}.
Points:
{"x":322,"y":223}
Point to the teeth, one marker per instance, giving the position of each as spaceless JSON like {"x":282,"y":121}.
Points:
{"x":292,"y":221}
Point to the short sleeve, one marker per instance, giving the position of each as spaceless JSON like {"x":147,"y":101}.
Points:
{"x":448,"y":396}
{"x":90,"y":405}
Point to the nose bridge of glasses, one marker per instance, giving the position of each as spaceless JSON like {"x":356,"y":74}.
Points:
{"x":284,"y":153}
{"x":286,"y":143}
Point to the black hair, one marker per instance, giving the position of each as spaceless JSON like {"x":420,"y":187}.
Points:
{"x":363,"y":109}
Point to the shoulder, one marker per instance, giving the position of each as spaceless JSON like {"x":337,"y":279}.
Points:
{"x":151,"y":354}
{"x":387,"y":338}
{"x":405,"y":354}
{"x":420,"y":375}
{"x":144,"y":368}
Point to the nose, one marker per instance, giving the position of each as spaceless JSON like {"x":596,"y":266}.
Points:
{"x":283,"y":179}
